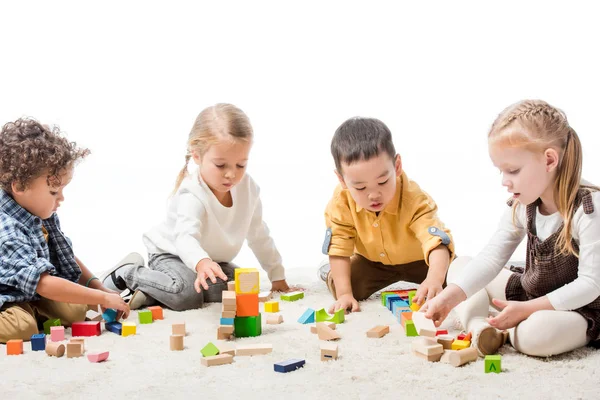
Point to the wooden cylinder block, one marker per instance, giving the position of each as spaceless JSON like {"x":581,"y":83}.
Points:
{"x":463,"y":356}
{"x":55,"y":349}
{"x":176,"y":342}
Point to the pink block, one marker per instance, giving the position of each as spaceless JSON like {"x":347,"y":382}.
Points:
{"x":97,"y":357}
{"x":57,"y":333}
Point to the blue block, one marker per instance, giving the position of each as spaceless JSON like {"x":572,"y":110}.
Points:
{"x":38,"y":342}
{"x":398,"y":303}
{"x":308,"y":317}
{"x":109,"y":315}
{"x":227,"y":321}
{"x":114,"y":327}
{"x":289,"y":365}
{"x":389,"y":298}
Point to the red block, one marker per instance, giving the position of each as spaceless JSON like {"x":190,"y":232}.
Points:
{"x":86,"y":328}
{"x":461,"y":336}
{"x":246,"y":305}
{"x":441,"y":332}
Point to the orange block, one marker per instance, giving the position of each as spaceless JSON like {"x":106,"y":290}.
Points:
{"x":247,"y":304}
{"x":405,"y":316}
{"x":157,"y":312}
{"x":14,"y":347}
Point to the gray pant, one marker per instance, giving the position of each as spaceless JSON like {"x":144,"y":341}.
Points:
{"x":170,"y":282}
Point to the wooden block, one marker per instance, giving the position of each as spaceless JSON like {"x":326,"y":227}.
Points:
{"x":217,"y":360}
{"x":74,"y":350}
{"x":411,"y":294}
{"x":176,"y":342}
{"x":231,"y":286}
{"x":248,"y":326}
{"x":326,"y":333}
{"x":128,"y":328}
{"x":264,"y":296}
{"x":446,"y":341}
{"x":38,"y":342}
{"x":226,"y":348}
{"x":157,"y":312}
{"x":313,"y":329}
{"x":145,"y":316}
{"x":114,"y":327}
{"x":228,"y":314}
{"x":308,"y":317}
{"x":460,"y":344}
{"x":274,"y":319}
{"x":427,"y":346}
{"x":55,"y":349}
{"x":423,"y":324}
{"x":253,"y":349}
{"x":178,"y":328}
{"x":409,"y":328}
{"x":272,"y":306}
{"x":378,"y":331}
{"x":446,"y":356}
{"x":461,"y":336}
{"x":228,"y":298}
{"x":86,"y":328}
{"x":225,"y":330}
{"x":229,"y":308}
{"x":222,"y":335}
{"x":209,"y":350}
{"x":323,"y":316}
{"x":406,"y":316}
{"x":289,"y":365}
{"x":493,"y":363}
{"x":432,"y":358}
{"x":468,"y":337}
{"x":441,"y":332}
{"x":246,"y":281}
{"x":247,"y":305}
{"x":415,"y":307}
{"x":57,"y":333}
{"x":226,"y":321}
{"x":292,"y":296}
{"x":329,"y":351}
{"x":81,"y":341}
{"x":92,"y":315}
{"x":463,"y":356}
{"x":97,"y":357}
{"x":14,"y":347}
{"x":110,"y":315}
{"x":426,"y":332}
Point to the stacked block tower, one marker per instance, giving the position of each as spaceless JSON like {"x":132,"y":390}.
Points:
{"x":247,"y":321}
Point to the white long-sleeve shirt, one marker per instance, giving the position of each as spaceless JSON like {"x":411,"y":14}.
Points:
{"x":586,"y":232}
{"x":198,"y":226}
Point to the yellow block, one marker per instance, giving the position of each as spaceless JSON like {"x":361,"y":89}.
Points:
{"x":246,"y":281}
{"x":461,"y":344}
{"x":128,"y":328}
{"x":415,"y":307}
{"x":271,"y":306}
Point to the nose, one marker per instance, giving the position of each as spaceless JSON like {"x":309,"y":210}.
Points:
{"x":373,"y":196}
{"x":229,"y":174}
{"x":506,"y":182}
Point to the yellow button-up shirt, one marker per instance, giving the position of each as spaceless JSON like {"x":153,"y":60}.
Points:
{"x":405,"y":231}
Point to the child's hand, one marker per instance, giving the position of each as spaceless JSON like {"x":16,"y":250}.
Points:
{"x":513,"y":312}
{"x":438,"y":308}
{"x":120,"y":314}
{"x":346,"y":302}
{"x":282,"y":286}
{"x":430,"y":288}
{"x":207,"y":268}
{"x":114,"y":300}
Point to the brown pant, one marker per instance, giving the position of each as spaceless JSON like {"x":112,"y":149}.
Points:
{"x":367,"y":277}
{"x":20,"y":321}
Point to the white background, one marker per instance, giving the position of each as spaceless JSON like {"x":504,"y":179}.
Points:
{"x":127,"y":79}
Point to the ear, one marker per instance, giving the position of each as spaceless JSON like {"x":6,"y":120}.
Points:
{"x":398,"y":165}
{"x":196,"y":157}
{"x":16,"y":189}
{"x":552,"y":159}
{"x":340,"y":178}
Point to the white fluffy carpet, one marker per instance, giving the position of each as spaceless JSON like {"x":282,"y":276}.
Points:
{"x":142,"y":366}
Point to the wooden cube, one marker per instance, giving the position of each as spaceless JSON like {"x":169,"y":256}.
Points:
{"x":209,"y":350}
{"x":157,"y":312}
{"x":272,"y":306}
{"x":178,"y":328}
{"x":460,"y":344}
{"x":379,"y":331}
{"x":228,"y":314}
{"x":74,"y":350}
{"x":446,"y":341}
{"x":248,"y":326}
{"x":228,"y":298}
{"x":231,"y":286}
{"x":128,"y":328}
{"x":246,"y":281}
{"x":38,"y":342}
{"x":493,"y":363}
{"x":14,"y":347}
{"x":247,"y":305}
{"x":409,"y":328}
{"x":57,"y":333}
{"x":329,"y":351}
{"x":145,"y":316}
{"x":176,"y":342}
{"x":86,"y":328}
{"x":81,"y":341}
{"x":224,"y":332}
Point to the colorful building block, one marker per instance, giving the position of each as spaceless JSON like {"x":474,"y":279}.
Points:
{"x":272,"y":306}
{"x":128,"y":328}
{"x":85,"y":328}
{"x":409,"y":328}
{"x":461,"y":336}
{"x":460,"y":344}
{"x":411,"y":294}
{"x":253,"y":349}
{"x":292,"y":296}
{"x":407,"y":316}
{"x":439,"y":332}
{"x":114,"y":327}
{"x":145,"y":316}
{"x":157,"y":312}
{"x":326,"y":333}
{"x":209,"y":350}
{"x":384,"y":296}
{"x":110,"y":315}
{"x":98,"y":357}
{"x":247,"y":304}
{"x":274,"y":319}
{"x":224,"y":332}
{"x":493,"y":363}
{"x":49,"y":323}
{"x":246,"y":281}
{"x":228,"y":298}
{"x":226,"y":321}
{"x":415,"y":307}
{"x":38,"y":342}
{"x":14,"y":347}
{"x":57,"y":333}
{"x":231,"y":286}
{"x":308,"y":317}
{"x":464,"y":356}
{"x":80,"y":341}
{"x":389,"y":299}
{"x":446,"y":341}
{"x":338,"y":317}
{"x":289,"y":365}
{"x":247,"y":326}
{"x":92,"y":315}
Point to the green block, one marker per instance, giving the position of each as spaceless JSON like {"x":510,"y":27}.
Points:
{"x":292,"y":296}
{"x":411,"y":294}
{"x":145,"y":316}
{"x":409,"y":327}
{"x":384,"y":295}
{"x":493,"y":364}
{"x":247,"y":326}
{"x":322,"y":316}
{"x":49,"y":323}
{"x":209,"y":350}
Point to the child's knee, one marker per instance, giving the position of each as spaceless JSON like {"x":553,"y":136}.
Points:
{"x":534,"y":338}
{"x":187,"y":300}
{"x":17,"y":325}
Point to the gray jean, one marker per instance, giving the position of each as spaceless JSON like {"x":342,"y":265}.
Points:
{"x":170,"y":282}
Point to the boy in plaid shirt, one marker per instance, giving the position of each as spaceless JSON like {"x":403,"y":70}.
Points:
{"x":40,"y":277}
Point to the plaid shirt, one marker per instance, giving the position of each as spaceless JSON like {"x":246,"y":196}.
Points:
{"x":25,"y":254}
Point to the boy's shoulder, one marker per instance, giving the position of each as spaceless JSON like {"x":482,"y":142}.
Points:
{"x":14,"y":219}
{"x":412,"y":194}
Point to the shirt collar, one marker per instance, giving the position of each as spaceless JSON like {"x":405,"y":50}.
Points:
{"x":394,"y":205}
{"x":10,"y":207}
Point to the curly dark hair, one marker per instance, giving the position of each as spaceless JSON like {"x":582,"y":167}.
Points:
{"x":29,"y":149}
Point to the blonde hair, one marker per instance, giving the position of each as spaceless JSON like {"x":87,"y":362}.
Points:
{"x":214,"y":124}
{"x":536,"y":126}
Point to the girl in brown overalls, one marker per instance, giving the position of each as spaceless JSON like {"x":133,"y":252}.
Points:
{"x":552,"y":305}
